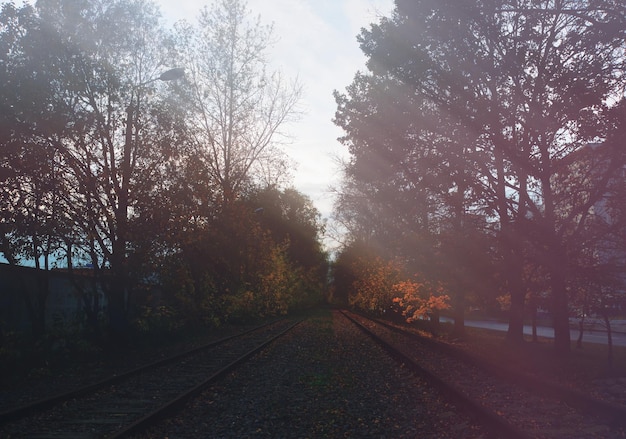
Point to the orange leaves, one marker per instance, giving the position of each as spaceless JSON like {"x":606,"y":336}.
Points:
{"x":381,"y":283}
{"x":419,"y":299}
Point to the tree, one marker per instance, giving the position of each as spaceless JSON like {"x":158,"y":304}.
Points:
{"x":518,"y":87}
{"x":235,"y":111}
{"x":291,"y":218}
{"x":259,"y":256}
{"x":373,"y":288}
{"x":409,"y":189}
{"x":104,"y":164}
{"x":420,"y":300}
{"x":79,"y":97}
{"x":33,"y":177}
{"x":238,"y":107}
{"x":343,"y":274}
{"x":28,"y":162}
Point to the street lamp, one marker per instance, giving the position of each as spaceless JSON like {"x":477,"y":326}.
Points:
{"x":117,"y":303}
{"x":168,"y":75}
{"x":171,"y":74}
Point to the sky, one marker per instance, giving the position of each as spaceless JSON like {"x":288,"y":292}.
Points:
{"x":316,"y":43}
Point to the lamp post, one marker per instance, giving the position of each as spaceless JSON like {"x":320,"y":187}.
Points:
{"x":117,"y":301}
{"x":168,"y":75}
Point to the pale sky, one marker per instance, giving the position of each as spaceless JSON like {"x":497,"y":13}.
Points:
{"x":316,"y":42}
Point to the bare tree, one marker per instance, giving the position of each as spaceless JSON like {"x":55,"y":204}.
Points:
{"x":238,"y":107}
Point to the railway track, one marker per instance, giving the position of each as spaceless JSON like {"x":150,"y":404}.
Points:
{"x":508,"y":404}
{"x":128,"y":403}
{"x":325,"y":379}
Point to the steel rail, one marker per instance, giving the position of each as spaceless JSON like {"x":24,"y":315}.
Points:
{"x":615,"y":413}
{"x":175,"y":404}
{"x":494,"y":424}
{"x":49,"y":402}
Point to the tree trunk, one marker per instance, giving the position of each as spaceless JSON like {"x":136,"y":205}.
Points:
{"x":513,"y":260}
{"x":533,"y":312}
{"x":118,"y":324}
{"x":515,"y":333}
{"x":435,"y":321}
{"x":459,"y":316}
{"x":581,"y":330}
{"x":36,"y":303}
{"x":91,"y":307}
{"x":609,"y":335}
{"x":560,"y":314}
{"x":435,"y":318}
{"x":556,"y":259}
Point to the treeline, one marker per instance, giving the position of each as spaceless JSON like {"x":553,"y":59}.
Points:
{"x":487,"y":159}
{"x":149,"y":158}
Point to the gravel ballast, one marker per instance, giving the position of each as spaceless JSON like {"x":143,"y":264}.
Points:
{"x":324,"y":379}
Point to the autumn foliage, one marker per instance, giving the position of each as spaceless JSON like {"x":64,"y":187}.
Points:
{"x":372,"y":289}
{"x":378,"y":285}
{"x":419,"y":300}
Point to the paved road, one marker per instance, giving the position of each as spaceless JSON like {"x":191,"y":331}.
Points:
{"x":594,"y":336}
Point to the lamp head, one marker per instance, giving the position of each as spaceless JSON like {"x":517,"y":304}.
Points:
{"x":172,"y":74}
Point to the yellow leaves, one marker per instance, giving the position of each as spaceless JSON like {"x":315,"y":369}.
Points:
{"x":375,"y":278}
{"x":504,"y":301}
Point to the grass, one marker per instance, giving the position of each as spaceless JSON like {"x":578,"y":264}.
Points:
{"x":581,"y":365}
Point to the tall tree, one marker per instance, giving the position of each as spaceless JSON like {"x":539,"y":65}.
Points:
{"x":83,"y":93}
{"x":34,"y":181}
{"x":529,"y":83}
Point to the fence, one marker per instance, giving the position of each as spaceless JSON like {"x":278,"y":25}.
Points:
{"x":30,"y":297}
